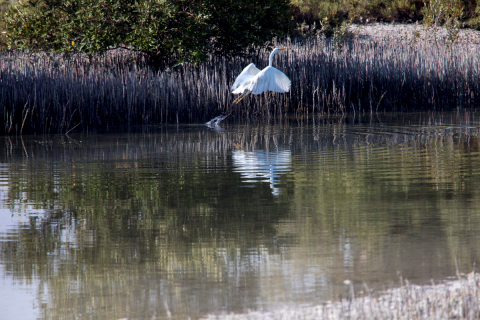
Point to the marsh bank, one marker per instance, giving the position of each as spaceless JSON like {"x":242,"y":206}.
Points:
{"x":385,"y":68}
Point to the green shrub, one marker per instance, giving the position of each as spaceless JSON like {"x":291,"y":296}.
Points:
{"x":4,"y":4}
{"x":446,"y":13}
{"x":167,"y":31}
{"x":335,"y":12}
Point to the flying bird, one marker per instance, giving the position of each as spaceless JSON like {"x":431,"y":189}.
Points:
{"x":256,"y":81}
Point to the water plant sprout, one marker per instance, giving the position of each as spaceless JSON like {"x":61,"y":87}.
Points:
{"x":252,"y":80}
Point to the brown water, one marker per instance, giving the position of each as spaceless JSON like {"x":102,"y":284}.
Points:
{"x":184,"y":221}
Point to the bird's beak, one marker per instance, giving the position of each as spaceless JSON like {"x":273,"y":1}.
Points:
{"x":282,"y":49}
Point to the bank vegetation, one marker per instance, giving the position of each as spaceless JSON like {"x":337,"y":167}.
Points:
{"x":50,"y":93}
{"x":121,"y":64}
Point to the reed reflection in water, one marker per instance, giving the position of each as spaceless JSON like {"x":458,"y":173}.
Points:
{"x":166,"y":222}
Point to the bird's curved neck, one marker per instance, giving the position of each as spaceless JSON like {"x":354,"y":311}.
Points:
{"x":271,"y":58}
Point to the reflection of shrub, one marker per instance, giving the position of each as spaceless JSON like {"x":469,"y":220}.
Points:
{"x":166,"y":31}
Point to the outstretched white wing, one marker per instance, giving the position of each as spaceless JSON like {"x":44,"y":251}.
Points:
{"x":269,"y":79}
{"x":244,"y":78}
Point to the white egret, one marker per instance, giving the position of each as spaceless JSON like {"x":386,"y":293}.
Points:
{"x":252,"y":80}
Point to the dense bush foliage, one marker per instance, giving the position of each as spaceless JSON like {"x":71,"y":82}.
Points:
{"x":172,"y":31}
{"x":168,"y":31}
{"x":4,"y":4}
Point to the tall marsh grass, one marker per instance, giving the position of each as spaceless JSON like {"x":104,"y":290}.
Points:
{"x":50,"y":93}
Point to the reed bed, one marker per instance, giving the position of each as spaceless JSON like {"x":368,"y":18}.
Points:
{"x":458,"y":299}
{"x":49,"y":93}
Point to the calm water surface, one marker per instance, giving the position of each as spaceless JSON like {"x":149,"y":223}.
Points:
{"x":184,"y":221}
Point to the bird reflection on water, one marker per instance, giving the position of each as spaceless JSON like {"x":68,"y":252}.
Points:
{"x":262,"y":166}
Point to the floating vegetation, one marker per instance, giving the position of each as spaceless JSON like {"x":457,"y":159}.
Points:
{"x":48,"y":93}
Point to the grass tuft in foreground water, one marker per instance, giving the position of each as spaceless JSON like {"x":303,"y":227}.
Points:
{"x":458,"y":299}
